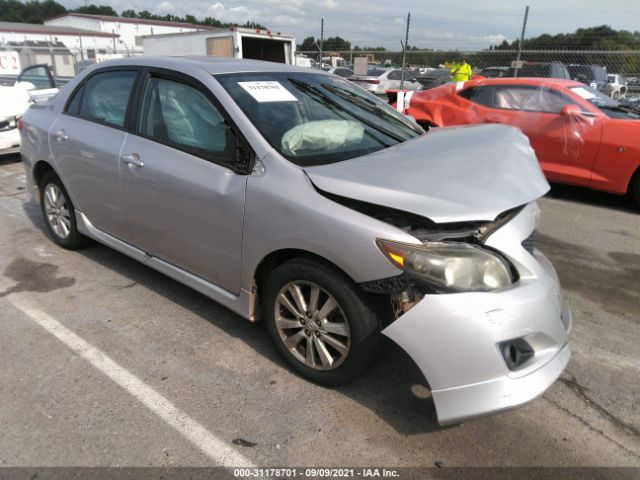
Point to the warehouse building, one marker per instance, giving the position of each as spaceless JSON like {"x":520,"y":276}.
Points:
{"x":129,"y":31}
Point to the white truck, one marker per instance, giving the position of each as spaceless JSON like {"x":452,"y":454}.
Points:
{"x":233,"y":42}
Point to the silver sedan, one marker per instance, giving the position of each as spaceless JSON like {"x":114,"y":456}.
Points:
{"x":294,"y":197}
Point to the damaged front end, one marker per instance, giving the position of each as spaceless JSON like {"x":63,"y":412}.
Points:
{"x":483,"y":347}
{"x":443,"y":243}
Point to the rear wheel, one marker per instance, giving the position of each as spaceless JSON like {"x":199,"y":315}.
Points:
{"x":59,"y":213}
{"x":320,"y":322}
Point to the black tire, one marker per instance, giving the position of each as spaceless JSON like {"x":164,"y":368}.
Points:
{"x":634,"y":189}
{"x":359,"y":314}
{"x":74,"y":239}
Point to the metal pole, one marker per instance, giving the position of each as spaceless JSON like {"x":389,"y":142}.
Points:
{"x":321,"y":39}
{"x":404,"y":50}
{"x":524,"y":27}
{"x":81,"y":49}
{"x":52,"y":56}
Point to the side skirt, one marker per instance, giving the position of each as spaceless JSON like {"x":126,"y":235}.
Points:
{"x":240,"y":304}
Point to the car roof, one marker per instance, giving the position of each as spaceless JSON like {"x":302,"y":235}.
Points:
{"x":211,"y":65}
{"x":537,"y":81}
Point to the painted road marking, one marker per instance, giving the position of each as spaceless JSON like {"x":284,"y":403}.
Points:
{"x":213,"y":447}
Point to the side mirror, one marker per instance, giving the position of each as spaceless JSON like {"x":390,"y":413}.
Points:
{"x":571,"y":110}
{"x":240,"y":150}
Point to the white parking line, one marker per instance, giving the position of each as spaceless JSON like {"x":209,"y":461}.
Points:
{"x":213,"y":447}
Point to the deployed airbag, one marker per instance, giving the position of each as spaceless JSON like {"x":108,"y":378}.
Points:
{"x":328,"y":135}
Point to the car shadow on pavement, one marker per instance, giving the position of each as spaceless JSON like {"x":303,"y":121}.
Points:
{"x":591,"y":197}
{"x":394,"y":388}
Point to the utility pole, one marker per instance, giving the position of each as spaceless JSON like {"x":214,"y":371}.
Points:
{"x":321,"y":39}
{"x":404,"y":49}
{"x":524,"y":27}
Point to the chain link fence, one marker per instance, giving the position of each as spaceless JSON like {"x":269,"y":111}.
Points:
{"x":625,"y":63}
{"x":66,"y":63}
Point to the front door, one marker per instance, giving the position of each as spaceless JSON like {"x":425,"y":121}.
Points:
{"x":566,"y":146}
{"x":184,"y":203}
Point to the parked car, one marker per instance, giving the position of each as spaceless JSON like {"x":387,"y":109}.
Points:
{"x":381,"y":229}
{"x":540,"y":70}
{"x":633,"y":85}
{"x":493,"y":72}
{"x":616,"y":86}
{"x":378,"y":80}
{"x":593,"y":75}
{"x":434,"y":77}
{"x":341,"y":71}
{"x":580,"y":135}
{"x":33,"y":84}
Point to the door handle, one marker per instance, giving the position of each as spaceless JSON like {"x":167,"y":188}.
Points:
{"x":133,"y":160}
{"x":61,"y":135}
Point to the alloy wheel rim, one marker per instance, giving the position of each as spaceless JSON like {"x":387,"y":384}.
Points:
{"x":57,"y":211}
{"x":312,"y":325}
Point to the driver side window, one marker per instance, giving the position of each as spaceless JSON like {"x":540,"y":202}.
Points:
{"x":528,"y":98}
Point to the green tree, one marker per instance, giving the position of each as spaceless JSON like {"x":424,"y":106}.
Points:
{"x":308,"y":45}
{"x":96,"y":10}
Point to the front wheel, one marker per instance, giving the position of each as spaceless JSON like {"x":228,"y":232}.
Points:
{"x":320,"y":322}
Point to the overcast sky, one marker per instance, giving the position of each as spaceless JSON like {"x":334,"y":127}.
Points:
{"x":438,"y":24}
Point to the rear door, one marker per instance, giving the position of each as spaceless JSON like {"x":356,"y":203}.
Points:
{"x":185,"y":201}
{"x":86,"y":140}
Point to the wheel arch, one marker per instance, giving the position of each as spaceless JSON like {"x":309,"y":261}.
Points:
{"x":633,"y":179}
{"x":278,"y":257}
{"x":39,"y":170}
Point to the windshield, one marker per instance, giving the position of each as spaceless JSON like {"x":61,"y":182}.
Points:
{"x":594,"y":96}
{"x":608,"y":106}
{"x":315,"y":119}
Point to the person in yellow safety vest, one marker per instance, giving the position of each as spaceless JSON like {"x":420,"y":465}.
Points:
{"x":461,"y":72}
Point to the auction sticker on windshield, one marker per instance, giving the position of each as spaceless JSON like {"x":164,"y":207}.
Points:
{"x":268,"y":91}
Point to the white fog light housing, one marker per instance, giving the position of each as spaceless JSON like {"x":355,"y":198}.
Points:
{"x":450,"y":266}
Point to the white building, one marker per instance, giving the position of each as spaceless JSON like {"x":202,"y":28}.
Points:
{"x":59,"y":47}
{"x":129,"y":31}
{"x":72,"y":38}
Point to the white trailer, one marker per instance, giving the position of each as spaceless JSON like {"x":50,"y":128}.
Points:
{"x":231,"y":42}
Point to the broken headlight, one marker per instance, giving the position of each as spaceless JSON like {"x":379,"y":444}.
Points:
{"x":450,"y":266}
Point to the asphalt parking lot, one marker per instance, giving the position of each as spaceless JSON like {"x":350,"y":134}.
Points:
{"x":108,"y":363}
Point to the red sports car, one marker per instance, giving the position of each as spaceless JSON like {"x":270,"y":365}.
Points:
{"x":580,"y":136}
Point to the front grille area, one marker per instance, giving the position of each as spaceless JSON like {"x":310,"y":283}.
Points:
{"x":528,"y":243}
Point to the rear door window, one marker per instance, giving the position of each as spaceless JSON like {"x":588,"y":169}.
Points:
{"x":106,"y":97}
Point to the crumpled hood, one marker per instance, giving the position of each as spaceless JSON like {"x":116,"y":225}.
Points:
{"x":451,"y":174}
{"x":13,"y":101}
